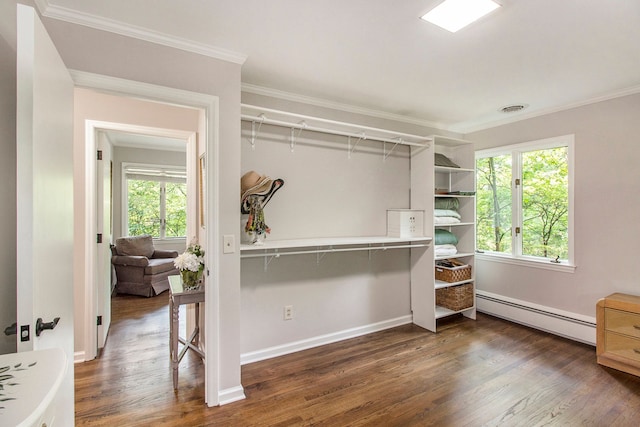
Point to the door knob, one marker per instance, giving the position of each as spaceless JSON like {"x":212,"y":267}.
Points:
{"x":41,"y":326}
{"x":11,"y":330}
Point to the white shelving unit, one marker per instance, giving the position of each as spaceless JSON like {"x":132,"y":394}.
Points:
{"x":426,"y":178}
{"x":322,"y":246}
{"x":354,"y":135}
{"x":298,"y":123}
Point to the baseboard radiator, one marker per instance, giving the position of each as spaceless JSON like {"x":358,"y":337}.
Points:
{"x":558,"y":322}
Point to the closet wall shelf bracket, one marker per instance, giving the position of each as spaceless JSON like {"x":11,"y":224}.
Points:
{"x":322,"y":247}
{"x":259,"y":115}
{"x":351,"y":149}
{"x":385,"y":154}
{"x":254,"y":132}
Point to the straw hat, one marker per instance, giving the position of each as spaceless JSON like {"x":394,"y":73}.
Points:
{"x":252,"y":183}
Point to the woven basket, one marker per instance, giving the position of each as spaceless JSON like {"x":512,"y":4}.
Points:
{"x":455,"y":298}
{"x":453,"y":274}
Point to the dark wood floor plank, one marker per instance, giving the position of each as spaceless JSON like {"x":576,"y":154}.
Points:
{"x":487,"y":372}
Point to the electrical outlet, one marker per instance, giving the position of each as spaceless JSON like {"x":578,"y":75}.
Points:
{"x":288,"y":312}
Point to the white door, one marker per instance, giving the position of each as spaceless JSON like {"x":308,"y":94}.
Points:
{"x":104,"y":229}
{"x":44,"y":198}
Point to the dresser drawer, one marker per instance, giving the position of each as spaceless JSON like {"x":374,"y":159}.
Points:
{"x":622,"y":322}
{"x":622,"y":345}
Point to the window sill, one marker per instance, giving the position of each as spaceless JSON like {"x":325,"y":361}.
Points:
{"x":545,"y":265}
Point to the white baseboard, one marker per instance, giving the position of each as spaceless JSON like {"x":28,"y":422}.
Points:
{"x":295,"y":346}
{"x":78,"y":357}
{"x":558,"y":322}
{"x":231,"y":395}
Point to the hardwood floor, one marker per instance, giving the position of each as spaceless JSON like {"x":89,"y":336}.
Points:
{"x":487,"y":372}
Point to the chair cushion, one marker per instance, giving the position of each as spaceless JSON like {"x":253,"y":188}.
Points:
{"x":137,"y":245}
{"x":160,"y":265}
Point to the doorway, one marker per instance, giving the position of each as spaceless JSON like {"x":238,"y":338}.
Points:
{"x":208,"y":149}
{"x":101,"y":117}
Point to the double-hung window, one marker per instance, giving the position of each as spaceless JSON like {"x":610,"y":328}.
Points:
{"x":524,"y":202}
{"x":155,"y":200}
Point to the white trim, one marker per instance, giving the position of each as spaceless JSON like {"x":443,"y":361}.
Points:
{"x":478,"y":125}
{"x":324,"y":103}
{"x":566,"y":324}
{"x":79,"y":357}
{"x":210,"y":104}
{"x":515,"y":151}
{"x":292,"y":347}
{"x":230,"y":395}
{"x":117,"y":27}
{"x":526,"y":262}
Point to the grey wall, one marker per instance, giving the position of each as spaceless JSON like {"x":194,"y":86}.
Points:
{"x":607,"y":207}
{"x":326,"y":194}
{"x":113,"y":55}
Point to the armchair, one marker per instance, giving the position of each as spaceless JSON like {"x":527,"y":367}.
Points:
{"x":140,"y":268}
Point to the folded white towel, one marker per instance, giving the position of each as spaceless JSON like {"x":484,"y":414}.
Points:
{"x":445,"y":250}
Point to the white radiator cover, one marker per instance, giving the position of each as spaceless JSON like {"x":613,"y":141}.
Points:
{"x":558,"y":322}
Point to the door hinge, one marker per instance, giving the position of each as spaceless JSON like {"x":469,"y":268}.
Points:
{"x":99,"y":322}
{"x":517,"y":230}
{"x":517,"y":181}
{"x":99,"y":155}
{"x":99,"y":239}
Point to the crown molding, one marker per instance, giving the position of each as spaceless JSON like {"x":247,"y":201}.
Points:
{"x":99,"y":23}
{"x":318,"y":102}
{"x":474,"y":126}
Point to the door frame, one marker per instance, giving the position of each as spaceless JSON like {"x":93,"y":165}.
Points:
{"x":210,"y":105}
{"x":91,"y":279}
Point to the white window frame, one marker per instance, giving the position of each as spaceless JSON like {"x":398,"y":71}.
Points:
{"x":157,"y":173}
{"x":516,"y":257}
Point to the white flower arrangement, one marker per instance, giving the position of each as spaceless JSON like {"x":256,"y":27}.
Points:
{"x":187,"y":261}
{"x":191,"y":265}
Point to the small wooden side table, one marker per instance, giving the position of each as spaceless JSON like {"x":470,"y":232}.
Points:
{"x":618,"y":332}
{"x":178,"y":297}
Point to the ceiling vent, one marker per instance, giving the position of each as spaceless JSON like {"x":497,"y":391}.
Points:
{"x":513,"y":108}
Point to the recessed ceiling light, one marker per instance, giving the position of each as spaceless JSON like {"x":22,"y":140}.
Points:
{"x":513,"y":108}
{"x":453,"y":15}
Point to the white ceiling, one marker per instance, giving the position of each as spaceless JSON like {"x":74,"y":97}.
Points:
{"x":145,"y":141}
{"x":377,"y":55}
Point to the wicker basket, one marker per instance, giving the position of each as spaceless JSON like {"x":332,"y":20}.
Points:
{"x":455,"y":298}
{"x":453,"y":274}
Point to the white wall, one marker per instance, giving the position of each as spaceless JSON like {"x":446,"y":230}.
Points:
{"x":7,"y":176}
{"x":100,"y":52}
{"x":326,"y":194}
{"x":607,"y":207}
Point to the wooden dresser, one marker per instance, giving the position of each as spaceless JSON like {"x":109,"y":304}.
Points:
{"x":618,"y":332}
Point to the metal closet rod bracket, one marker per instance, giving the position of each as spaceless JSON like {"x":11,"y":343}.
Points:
{"x":252,"y":140}
{"x":328,"y":126}
{"x":384,"y":149}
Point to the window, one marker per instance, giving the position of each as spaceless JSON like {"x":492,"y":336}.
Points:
{"x":524,"y":201}
{"x":155,"y":201}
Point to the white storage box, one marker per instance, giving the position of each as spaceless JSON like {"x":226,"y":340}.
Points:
{"x":405,"y":223}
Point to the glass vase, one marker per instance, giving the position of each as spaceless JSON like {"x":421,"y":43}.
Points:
{"x":191,"y":280}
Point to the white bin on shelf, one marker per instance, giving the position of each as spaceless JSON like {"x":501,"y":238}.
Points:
{"x":405,"y":223}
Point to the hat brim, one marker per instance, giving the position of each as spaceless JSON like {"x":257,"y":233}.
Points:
{"x":264,"y":193}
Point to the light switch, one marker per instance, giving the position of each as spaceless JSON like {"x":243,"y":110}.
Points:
{"x":228,"y":244}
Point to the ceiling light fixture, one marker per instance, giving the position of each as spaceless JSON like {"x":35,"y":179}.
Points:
{"x":513,"y":108}
{"x":453,"y":15}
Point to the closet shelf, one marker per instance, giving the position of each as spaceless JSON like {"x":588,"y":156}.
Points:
{"x":258,"y":116}
{"x":277,"y":248}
